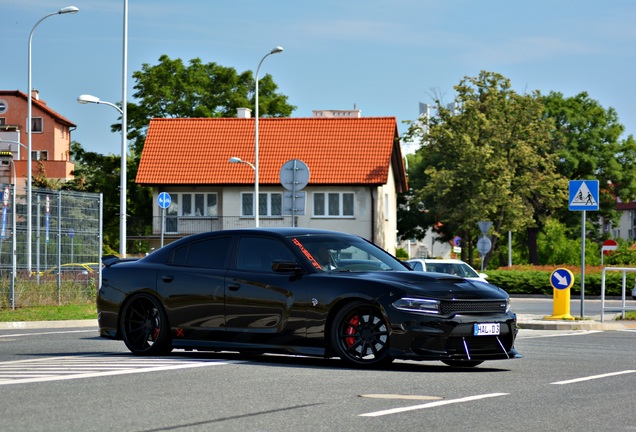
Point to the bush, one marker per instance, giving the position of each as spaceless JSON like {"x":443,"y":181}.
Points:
{"x":536,"y":280}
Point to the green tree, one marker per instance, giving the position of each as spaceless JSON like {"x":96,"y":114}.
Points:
{"x":99,"y":173}
{"x":587,"y":140}
{"x":172,"y":89}
{"x":488,"y":159}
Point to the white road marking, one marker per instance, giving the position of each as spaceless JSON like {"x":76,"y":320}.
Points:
{"x":594,"y":377}
{"x":432,"y":404}
{"x":88,"y":366}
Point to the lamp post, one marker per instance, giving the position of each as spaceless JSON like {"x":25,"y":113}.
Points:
{"x":65,"y":10}
{"x":85,"y":99}
{"x":239,"y":160}
{"x":256,"y":200}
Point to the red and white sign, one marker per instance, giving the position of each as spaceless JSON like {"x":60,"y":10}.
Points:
{"x":609,"y":245}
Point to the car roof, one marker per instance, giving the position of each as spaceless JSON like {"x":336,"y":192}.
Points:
{"x":280,"y":232}
{"x":433,"y":260}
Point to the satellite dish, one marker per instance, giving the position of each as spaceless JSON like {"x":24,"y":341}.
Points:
{"x":294,"y":175}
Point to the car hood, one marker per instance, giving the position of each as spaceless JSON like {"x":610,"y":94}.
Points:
{"x":434,"y":285}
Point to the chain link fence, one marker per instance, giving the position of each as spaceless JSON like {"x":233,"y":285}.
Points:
{"x":63,"y":263}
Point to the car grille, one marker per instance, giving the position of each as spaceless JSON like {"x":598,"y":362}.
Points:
{"x":463,"y":307}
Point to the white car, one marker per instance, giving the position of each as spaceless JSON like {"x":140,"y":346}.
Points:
{"x":450,"y":266}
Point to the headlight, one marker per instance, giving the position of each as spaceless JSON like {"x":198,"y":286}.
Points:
{"x":507,"y":305}
{"x":417,"y":305}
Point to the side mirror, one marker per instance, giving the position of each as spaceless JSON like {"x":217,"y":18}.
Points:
{"x":286,"y":266}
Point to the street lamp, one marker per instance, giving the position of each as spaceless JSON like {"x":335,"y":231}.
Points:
{"x":66,"y":10}
{"x":256,"y":203}
{"x":239,"y":160}
{"x":85,"y":99}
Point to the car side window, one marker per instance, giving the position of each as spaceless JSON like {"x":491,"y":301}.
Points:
{"x":258,"y":253}
{"x":417,"y":266}
{"x":209,"y":253}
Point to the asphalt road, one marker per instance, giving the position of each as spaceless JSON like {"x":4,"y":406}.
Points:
{"x":71,"y":380}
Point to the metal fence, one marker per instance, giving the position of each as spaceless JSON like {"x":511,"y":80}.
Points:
{"x":66,"y":231}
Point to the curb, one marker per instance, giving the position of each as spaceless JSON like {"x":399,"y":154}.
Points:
{"x":537,"y":322}
{"x":26,"y":325}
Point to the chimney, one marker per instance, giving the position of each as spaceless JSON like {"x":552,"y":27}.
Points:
{"x":243,"y":113}
{"x":35,"y":94}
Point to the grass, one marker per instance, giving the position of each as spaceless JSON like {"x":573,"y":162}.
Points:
{"x":49,"y":313}
{"x":629,"y":315}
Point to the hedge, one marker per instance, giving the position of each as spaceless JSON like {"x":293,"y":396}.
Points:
{"x":538,"y":281}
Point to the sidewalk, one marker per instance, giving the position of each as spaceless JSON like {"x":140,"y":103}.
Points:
{"x":29,"y":325}
{"x":538,"y":322}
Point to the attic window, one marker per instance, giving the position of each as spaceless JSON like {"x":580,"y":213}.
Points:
{"x":4,"y":106}
{"x":36,"y":125}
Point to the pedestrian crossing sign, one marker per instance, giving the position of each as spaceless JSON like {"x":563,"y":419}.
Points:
{"x":583,"y":195}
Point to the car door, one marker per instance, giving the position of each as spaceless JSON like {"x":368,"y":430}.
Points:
{"x":192,"y":286}
{"x":261,"y":305}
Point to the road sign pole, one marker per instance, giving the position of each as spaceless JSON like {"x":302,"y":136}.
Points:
{"x":583,"y":265}
{"x":163,"y":224}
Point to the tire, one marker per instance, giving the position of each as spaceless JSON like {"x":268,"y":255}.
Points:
{"x":360,"y":335}
{"x":144,"y":326}
{"x":462,"y":363}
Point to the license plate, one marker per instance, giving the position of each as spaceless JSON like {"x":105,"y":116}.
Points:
{"x":486,"y":329}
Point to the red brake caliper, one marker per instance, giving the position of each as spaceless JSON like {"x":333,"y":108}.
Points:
{"x":352,"y":330}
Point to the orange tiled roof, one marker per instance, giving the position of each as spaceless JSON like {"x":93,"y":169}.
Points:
{"x":41,"y":105}
{"x":336,"y":150}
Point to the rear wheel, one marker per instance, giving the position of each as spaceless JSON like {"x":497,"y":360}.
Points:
{"x":460,"y":363}
{"x":144,"y":326}
{"x":360,"y":335}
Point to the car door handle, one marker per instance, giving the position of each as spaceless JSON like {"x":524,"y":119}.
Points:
{"x":167,"y":278}
{"x":234,"y":287}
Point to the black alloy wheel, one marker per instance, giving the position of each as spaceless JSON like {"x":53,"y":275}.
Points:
{"x":360,"y":335}
{"x":144,"y":326}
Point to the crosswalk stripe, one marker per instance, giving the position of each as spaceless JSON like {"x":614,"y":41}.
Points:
{"x":91,"y":366}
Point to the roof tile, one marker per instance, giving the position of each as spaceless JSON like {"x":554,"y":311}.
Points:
{"x":336,"y":150}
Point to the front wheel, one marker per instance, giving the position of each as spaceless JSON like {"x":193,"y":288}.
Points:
{"x":144,"y":326}
{"x":360,"y":335}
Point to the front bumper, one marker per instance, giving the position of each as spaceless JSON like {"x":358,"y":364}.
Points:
{"x":422,"y":337}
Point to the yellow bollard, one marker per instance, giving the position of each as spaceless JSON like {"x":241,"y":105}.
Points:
{"x":561,"y":280}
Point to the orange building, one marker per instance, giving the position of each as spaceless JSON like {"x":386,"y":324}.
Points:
{"x":50,"y":142}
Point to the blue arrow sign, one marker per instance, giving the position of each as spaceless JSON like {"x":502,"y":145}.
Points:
{"x":561,"y":279}
{"x":164,"y":200}
{"x":583,"y":195}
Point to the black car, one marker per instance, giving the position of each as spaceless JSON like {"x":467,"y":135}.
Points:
{"x":300,"y":291}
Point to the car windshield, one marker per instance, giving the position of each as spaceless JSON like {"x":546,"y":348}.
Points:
{"x":458,"y":269}
{"x":334,"y":253}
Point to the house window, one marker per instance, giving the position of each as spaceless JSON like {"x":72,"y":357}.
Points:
{"x":40,"y":155}
{"x":3,"y":106}
{"x":194,"y":204}
{"x":3,"y":121}
{"x":269,"y":204}
{"x":333,"y":204}
{"x":36,"y":124}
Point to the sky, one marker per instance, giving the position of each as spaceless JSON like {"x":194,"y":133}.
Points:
{"x":381,"y":57}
